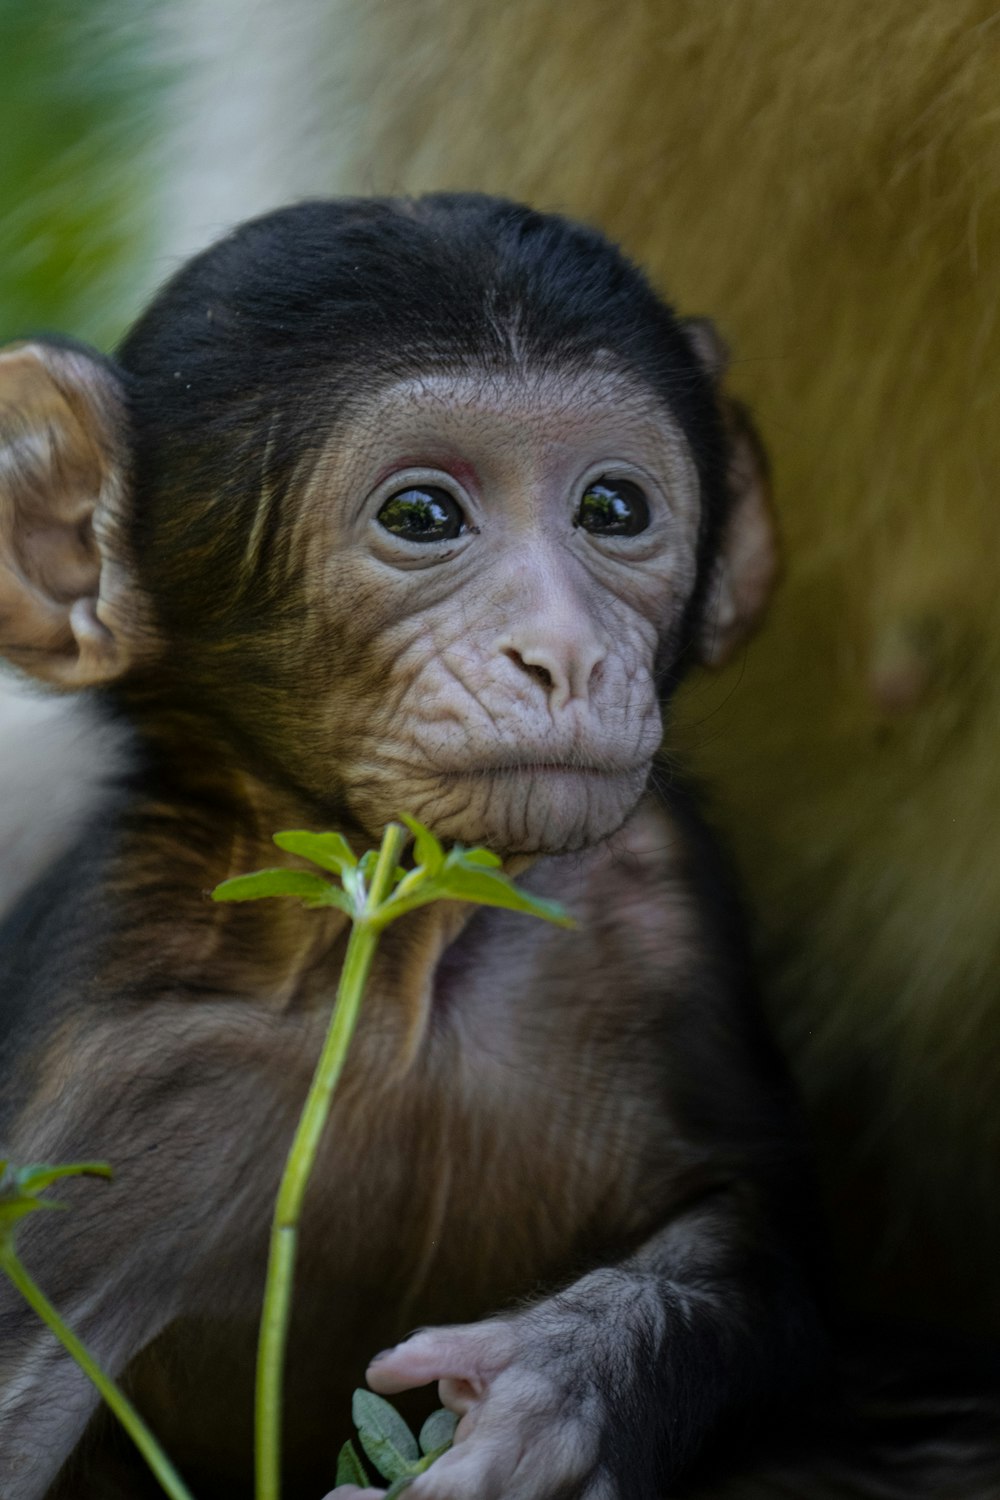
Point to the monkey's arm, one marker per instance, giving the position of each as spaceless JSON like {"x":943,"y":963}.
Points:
{"x":610,"y":1388}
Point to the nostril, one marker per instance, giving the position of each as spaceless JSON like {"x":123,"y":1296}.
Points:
{"x":540,"y":674}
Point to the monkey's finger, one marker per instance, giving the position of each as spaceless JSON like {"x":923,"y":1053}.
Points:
{"x":484,"y":1473}
{"x":458,"y":1396}
{"x":471,"y":1353}
{"x":351,"y":1492}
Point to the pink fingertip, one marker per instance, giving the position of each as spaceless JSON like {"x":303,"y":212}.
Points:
{"x":350,"y":1491}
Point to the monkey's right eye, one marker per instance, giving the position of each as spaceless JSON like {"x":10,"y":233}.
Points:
{"x":423,"y":514}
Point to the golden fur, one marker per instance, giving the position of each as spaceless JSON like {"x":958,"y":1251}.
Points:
{"x":827,"y":181}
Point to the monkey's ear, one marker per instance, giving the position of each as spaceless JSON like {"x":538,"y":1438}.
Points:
{"x":746,"y":566}
{"x":709,"y":346}
{"x":62,"y":474}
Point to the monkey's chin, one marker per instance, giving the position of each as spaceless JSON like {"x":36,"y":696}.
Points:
{"x":532,"y":809}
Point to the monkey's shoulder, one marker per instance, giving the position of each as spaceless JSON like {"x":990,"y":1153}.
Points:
{"x":58,"y":920}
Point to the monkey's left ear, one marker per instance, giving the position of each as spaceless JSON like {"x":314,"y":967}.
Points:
{"x":63,"y":614}
{"x":746,"y":565}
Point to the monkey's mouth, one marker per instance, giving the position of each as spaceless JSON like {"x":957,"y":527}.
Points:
{"x":539,"y":768}
{"x":526,"y":804}
{"x":606,"y":769}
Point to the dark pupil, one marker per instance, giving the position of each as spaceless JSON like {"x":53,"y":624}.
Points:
{"x":617,"y":509}
{"x":424,"y":515}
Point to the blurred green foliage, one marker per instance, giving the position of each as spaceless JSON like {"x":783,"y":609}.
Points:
{"x":81,"y":87}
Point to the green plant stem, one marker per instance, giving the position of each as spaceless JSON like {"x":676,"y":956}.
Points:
{"x":123,"y":1409}
{"x":285,"y":1226}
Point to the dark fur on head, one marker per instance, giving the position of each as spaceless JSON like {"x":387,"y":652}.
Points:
{"x":279,"y":327}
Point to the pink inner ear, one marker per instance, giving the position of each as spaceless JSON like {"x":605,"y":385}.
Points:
{"x":748,"y":564}
{"x":753,"y":554}
{"x":63,"y":559}
{"x":58,"y":415}
{"x":709,"y":346}
{"x":87,"y":628}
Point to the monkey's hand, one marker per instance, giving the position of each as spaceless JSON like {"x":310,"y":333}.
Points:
{"x":610,"y":1389}
{"x":540,"y":1396}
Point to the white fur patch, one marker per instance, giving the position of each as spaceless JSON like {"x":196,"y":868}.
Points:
{"x":57,"y":762}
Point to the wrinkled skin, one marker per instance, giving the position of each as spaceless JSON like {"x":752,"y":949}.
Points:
{"x":499,"y":686}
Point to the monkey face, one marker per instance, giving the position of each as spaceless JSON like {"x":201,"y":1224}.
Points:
{"x":431,"y":524}
{"x":496,"y":565}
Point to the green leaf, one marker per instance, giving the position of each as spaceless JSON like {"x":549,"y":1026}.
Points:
{"x":399,"y":1485}
{"x":438,"y":1432}
{"x":384,"y":1435}
{"x":298,"y":883}
{"x":354,"y":885}
{"x":476,"y":857}
{"x":487,"y":888}
{"x":368,"y":861}
{"x":14,"y":1209}
{"x":428,"y":852}
{"x":412,"y":882}
{"x":35,"y":1179}
{"x":350,"y":1469}
{"x":20,"y":1186}
{"x":330,"y":851}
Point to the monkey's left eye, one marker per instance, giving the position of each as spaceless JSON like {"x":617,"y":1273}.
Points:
{"x":613,"y":508}
{"x":426,"y":514}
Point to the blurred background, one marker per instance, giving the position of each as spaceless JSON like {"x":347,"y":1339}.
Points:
{"x":825,"y":183}
{"x":134,"y":133}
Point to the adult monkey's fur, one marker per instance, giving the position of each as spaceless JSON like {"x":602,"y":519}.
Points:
{"x":827,"y":181}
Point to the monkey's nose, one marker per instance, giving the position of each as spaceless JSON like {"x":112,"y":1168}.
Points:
{"x":563,"y":672}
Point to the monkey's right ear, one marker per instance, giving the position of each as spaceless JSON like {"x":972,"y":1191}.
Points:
{"x":62,"y":476}
{"x":709,"y":346}
{"x":746,"y":566}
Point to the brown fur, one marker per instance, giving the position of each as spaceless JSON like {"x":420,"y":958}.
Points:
{"x":591,"y":1120}
{"x":827,"y":181}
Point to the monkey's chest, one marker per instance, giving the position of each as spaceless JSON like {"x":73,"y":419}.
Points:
{"x":482,"y":1179}
{"x":500,"y":1129}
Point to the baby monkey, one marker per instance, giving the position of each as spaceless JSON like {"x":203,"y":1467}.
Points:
{"x":389,"y":506}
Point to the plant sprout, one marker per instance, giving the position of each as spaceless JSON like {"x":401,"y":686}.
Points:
{"x":373,"y":891}
{"x":390,"y":1445}
{"x":20,"y":1188}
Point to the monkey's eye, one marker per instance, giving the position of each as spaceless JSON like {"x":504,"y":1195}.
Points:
{"x":613,"y":508}
{"x":423,"y":514}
